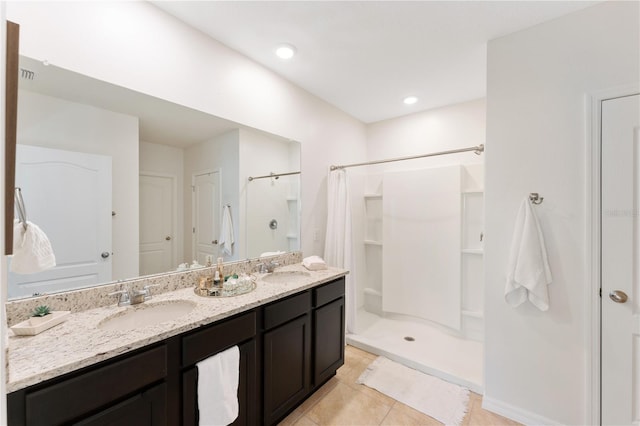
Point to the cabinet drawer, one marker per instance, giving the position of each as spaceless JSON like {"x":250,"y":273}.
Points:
{"x":328,"y":292}
{"x":280,"y":312}
{"x":215,"y":338}
{"x":71,"y":398}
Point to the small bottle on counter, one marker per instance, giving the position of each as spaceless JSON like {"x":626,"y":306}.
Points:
{"x":220,"y":268}
{"x":216,"y":279}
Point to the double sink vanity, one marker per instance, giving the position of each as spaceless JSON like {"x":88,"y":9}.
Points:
{"x":135,"y":365}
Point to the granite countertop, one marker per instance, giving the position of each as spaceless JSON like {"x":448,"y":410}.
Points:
{"x":78,"y":342}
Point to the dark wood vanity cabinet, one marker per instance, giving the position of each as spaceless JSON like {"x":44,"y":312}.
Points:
{"x":288,"y":349}
{"x":130,"y":389}
{"x":328,"y":330}
{"x":207,"y":341}
{"x":303,"y":346}
{"x":287,"y":355}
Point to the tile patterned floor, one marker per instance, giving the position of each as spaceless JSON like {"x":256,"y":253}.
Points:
{"x":343,"y":402}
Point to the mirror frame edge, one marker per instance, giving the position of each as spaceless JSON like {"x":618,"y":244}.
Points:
{"x":11,"y":127}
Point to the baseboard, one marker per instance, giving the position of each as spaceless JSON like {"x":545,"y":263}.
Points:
{"x":514,"y":413}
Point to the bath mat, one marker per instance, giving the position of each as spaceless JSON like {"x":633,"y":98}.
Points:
{"x":430,"y":395}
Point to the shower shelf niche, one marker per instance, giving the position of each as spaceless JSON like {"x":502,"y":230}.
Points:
{"x":472,"y":197}
{"x":373,"y":207}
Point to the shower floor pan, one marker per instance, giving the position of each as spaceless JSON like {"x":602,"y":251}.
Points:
{"x":433,"y":351}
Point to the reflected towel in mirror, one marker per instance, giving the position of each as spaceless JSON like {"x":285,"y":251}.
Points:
{"x":271,"y":253}
{"x":226,"y":234}
{"x":32,"y":250}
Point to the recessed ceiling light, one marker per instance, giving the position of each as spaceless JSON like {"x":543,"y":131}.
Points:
{"x":285,"y":51}
{"x":410,"y":100}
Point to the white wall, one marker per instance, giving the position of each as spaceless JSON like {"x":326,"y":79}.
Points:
{"x":135,"y":45}
{"x":168,"y":160}
{"x":222,"y":154}
{"x":451,"y":127}
{"x":56,"y":123}
{"x":536,"y":363}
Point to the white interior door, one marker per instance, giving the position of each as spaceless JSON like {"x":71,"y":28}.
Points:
{"x":157,"y":224}
{"x":206,"y":215}
{"x":620,"y":261}
{"x":68,"y":195}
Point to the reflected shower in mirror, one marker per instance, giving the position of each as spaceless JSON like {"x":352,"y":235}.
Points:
{"x":125,"y":184}
{"x":273,"y":213}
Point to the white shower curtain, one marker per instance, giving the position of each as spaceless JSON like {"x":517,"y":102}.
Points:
{"x":338,"y":248}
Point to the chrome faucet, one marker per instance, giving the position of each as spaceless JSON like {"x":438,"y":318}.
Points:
{"x":123,"y":297}
{"x":265,"y":267}
{"x":147,"y":290}
{"x":133,"y":297}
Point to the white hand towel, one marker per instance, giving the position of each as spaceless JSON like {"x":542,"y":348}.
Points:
{"x":218,"y":378}
{"x":314,"y":263}
{"x":32,"y":250}
{"x":226,"y":235}
{"x":528,"y":274}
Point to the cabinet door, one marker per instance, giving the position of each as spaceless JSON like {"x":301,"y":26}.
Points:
{"x":95,"y":390}
{"x":247,"y":389}
{"x":328,"y":340}
{"x":287,"y":358}
{"x":146,"y":408}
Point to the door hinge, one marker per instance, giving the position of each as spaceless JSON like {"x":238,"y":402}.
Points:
{"x":193,"y":188}
{"x":194,"y":230}
{"x":601,"y":292}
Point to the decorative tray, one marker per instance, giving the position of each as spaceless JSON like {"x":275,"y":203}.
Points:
{"x":36,"y":325}
{"x":225,"y":292}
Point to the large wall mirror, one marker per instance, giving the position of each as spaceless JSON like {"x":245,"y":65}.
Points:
{"x":125,"y":184}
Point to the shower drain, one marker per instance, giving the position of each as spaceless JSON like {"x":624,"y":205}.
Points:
{"x":409,"y":339}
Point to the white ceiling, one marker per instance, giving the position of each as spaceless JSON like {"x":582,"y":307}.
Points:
{"x":365,"y":57}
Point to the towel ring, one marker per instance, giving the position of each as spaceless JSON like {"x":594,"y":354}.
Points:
{"x":535,"y":198}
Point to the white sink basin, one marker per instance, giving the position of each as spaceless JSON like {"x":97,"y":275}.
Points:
{"x":285,"y":276}
{"x":145,"y":315}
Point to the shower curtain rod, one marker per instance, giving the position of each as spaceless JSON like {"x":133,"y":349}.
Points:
{"x":476,"y":149}
{"x":273,"y":175}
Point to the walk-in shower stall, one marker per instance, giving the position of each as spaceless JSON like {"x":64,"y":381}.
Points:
{"x":419,"y":284}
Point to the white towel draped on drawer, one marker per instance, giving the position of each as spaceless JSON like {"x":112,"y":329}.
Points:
{"x":218,"y":378}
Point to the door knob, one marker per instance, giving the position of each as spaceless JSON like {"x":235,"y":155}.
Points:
{"x":105,"y":254}
{"x":618,"y":296}
{"x":214,"y":242}
{"x":168,"y":238}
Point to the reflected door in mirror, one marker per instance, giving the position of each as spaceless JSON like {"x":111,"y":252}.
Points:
{"x":157,"y":224}
{"x":206,"y":215}
{"x":68,"y":195}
